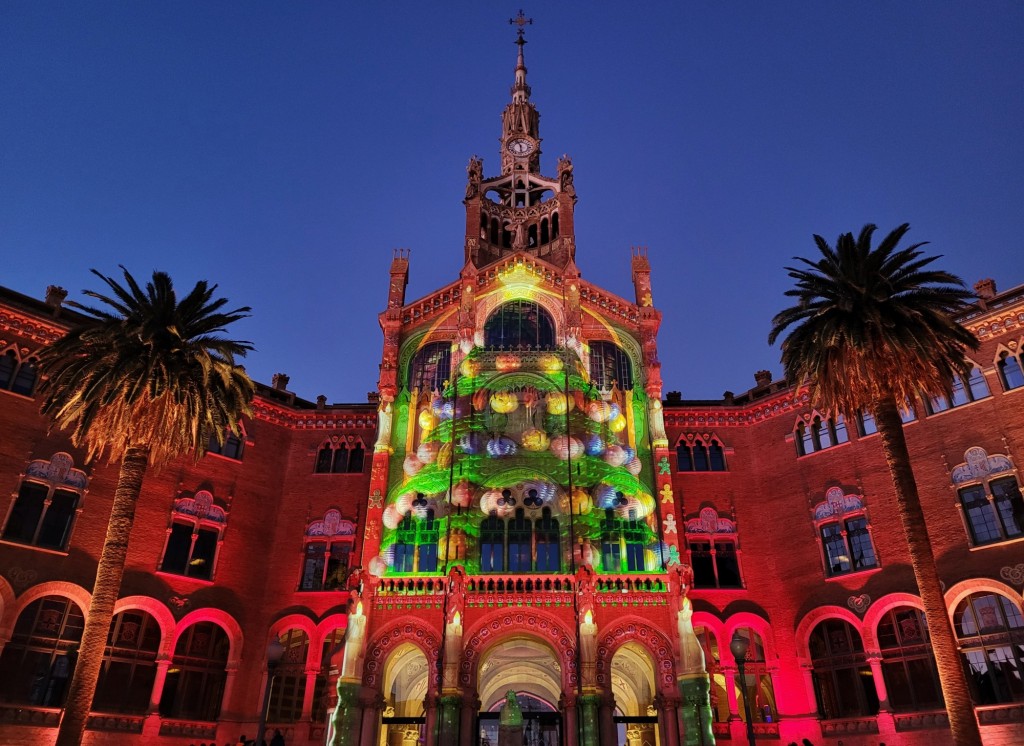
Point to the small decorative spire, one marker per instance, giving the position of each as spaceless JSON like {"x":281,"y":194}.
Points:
{"x":520,"y":91}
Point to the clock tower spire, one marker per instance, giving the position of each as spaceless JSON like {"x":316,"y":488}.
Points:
{"x":520,"y":210}
{"x":520,"y":131}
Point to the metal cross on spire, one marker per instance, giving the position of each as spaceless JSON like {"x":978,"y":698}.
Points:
{"x":520,"y":20}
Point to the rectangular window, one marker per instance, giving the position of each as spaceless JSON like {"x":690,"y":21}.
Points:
{"x":428,"y":557}
{"x":1010,"y":505}
{"x":405,"y":557}
{"x":56,"y":528}
{"x":703,"y":564}
{"x":313,"y":567}
{"x":28,"y":508}
{"x":728,"y":565}
{"x":837,"y":560}
{"x":337,"y":565}
{"x":611,"y":554}
{"x":867,"y":424}
{"x":981,"y":520}
{"x":860,"y":544}
{"x":203,"y":553}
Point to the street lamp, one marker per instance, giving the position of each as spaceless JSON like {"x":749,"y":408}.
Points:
{"x":738,"y":646}
{"x":275,"y":651}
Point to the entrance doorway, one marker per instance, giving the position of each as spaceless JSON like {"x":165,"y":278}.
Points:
{"x":531,"y":669}
{"x":403,"y":722}
{"x":632,"y":673}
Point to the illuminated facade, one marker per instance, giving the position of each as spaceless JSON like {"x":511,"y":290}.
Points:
{"x":520,"y":507}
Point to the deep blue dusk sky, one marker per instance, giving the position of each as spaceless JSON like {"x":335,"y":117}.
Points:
{"x":283,"y":150}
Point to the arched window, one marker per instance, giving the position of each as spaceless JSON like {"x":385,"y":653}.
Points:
{"x":194,"y":536}
{"x":336,"y":456}
{"x":46,"y":507}
{"x":129,"y":664}
{"x":842,"y":524}
{"x":990,"y":630}
{"x":843,"y":684}
{"x":19,"y":376}
{"x":549,"y":555}
{"x":554,"y":225}
{"x":622,"y":543}
{"x":990,"y":497}
{"x":195,"y":680}
{"x":37,"y":663}
{"x":232,"y":447}
{"x":1010,"y":370}
{"x":908,"y":666}
{"x":518,"y":324}
{"x":495,"y":235}
{"x":431,"y":366}
{"x":520,"y":543}
{"x":288,"y":686}
{"x":711,"y":547}
{"x":327,"y":553}
{"x":492,"y":544}
{"x":415,"y":549}
{"x":544,"y":236}
{"x":756,"y":684}
{"x":695,"y":453}
{"x":610,"y":367}
{"x":820,"y":433}
{"x":964,"y":392}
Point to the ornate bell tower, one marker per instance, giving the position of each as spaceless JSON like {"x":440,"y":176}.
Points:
{"x":520,"y":210}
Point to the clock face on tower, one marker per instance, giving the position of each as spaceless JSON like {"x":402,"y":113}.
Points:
{"x":520,"y":146}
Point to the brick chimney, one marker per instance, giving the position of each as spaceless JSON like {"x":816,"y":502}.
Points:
{"x":985,"y":289}
{"x":729,"y":398}
{"x":321,"y":402}
{"x":55,"y":295}
{"x":279,"y":381}
{"x":763,"y":378}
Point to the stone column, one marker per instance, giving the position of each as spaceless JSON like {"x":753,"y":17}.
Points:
{"x":696,"y":710}
{"x":875,"y":661}
{"x":568,"y":707}
{"x":231,"y":670}
{"x":448,"y":719}
{"x":307,"y":695}
{"x":373,"y":705}
{"x":606,"y":717}
{"x":668,"y":719}
{"x":470,"y":706}
{"x":345,"y":720}
{"x":430,"y":715}
{"x":730,"y":693}
{"x":589,"y":705}
{"x":159,"y":680}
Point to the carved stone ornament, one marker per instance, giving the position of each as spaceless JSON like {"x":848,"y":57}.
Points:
{"x":1013,"y":574}
{"x":859,"y":603}
{"x":178,"y":604}
{"x":20,"y":578}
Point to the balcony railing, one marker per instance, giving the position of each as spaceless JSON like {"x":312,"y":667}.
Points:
{"x":116,"y":723}
{"x":998,"y":714}
{"x":921,"y":720}
{"x":188,"y":729}
{"x":849,"y":727}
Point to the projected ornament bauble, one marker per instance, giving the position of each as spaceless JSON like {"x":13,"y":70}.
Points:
{"x":470,"y":367}
{"x":594,"y":446}
{"x":599,"y":411}
{"x":499,"y":447}
{"x":634,"y":467}
{"x":565,"y":447}
{"x":427,"y":420}
{"x":391,"y":517}
{"x":557,"y":403}
{"x":550,"y":363}
{"x":504,"y":402}
{"x":427,"y":452}
{"x":444,"y":456}
{"x":377,"y":567}
{"x":462,"y":495}
{"x":412,"y":465}
{"x":617,"y":424}
{"x":615,"y":456}
{"x":535,"y":440}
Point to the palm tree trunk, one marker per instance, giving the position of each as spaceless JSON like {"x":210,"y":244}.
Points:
{"x":104,"y":595}
{"x":955,"y":692}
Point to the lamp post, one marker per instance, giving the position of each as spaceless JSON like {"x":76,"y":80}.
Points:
{"x":738,"y":646}
{"x":275,"y":651}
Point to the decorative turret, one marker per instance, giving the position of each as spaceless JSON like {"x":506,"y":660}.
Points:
{"x":520,"y":210}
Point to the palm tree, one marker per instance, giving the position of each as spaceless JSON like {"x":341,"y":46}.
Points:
{"x":873,"y":328}
{"x":145,"y":380}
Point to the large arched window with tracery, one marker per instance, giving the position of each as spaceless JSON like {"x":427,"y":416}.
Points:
{"x":37,"y":663}
{"x":129,"y":664}
{"x":610,"y":366}
{"x":331,"y":653}
{"x":717,"y":694}
{"x":843,"y":684}
{"x":195,"y":681}
{"x":431,"y":366}
{"x":288,"y":686}
{"x":520,"y":324}
{"x":990,"y":630}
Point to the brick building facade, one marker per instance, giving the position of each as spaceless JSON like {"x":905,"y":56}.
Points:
{"x":511,"y":511}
